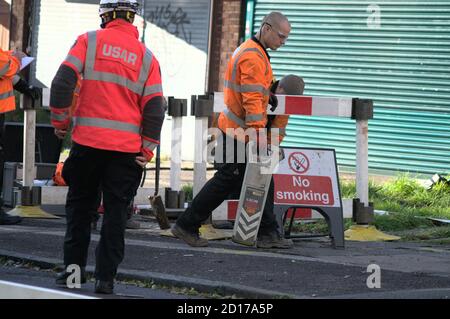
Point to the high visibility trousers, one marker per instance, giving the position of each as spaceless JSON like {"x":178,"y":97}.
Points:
{"x":118,"y":176}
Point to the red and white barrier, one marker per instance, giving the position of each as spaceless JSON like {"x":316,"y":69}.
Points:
{"x":315,"y":106}
{"x":302,"y":105}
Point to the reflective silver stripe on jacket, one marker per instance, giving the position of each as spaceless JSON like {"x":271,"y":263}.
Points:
{"x":102,"y":123}
{"x":60,"y":117}
{"x":254,"y":117}
{"x":76,"y":62}
{"x":236,"y":119}
{"x":6,"y":95}
{"x":233,"y":73}
{"x":152,"y":89}
{"x":90,"y":74}
{"x":5,"y":68}
{"x":246,"y":88}
{"x":149,"y":145}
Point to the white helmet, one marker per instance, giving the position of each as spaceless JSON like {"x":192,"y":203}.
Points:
{"x":118,"y":5}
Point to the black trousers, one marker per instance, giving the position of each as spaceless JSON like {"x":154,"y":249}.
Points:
{"x":2,"y":152}
{"x":87,"y":170}
{"x":225,"y":184}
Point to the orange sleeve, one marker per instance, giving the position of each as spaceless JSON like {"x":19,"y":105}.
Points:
{"x":254,"y":101}
{"x":9,"y":65}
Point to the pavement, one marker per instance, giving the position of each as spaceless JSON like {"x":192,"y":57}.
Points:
{"x":312,"y":269}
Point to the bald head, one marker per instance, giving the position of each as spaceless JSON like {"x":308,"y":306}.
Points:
{"x":276,"y":19}
{"x":274,"y":30}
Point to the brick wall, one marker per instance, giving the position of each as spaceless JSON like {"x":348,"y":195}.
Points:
{"x":227,"y":28}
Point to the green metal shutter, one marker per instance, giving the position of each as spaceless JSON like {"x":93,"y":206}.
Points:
{"x":404,"y":66}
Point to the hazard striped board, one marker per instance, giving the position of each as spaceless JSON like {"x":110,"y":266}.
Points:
{"x":302,"y":105}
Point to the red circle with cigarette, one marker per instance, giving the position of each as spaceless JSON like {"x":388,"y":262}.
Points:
{"x":298,"y":162}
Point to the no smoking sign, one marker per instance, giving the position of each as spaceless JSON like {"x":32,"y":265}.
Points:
{"x":298,"y":162}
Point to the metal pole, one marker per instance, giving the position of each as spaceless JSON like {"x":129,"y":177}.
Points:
{"x":29,"y":133}
{"x":175,"y":159}
{"x":362,"y":158}
{"x":201,"y":129}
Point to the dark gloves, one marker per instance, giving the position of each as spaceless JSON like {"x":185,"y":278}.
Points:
{"x":29,"y":90}
{"x":272,"y":98}
{"x":273,"y":101}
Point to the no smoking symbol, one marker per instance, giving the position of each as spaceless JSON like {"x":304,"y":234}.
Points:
{"x":298,"y":162}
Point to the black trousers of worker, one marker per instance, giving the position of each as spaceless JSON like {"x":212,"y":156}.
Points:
{"x":225,"y":184}
{"x":118,"y":175}
{"x":2,"y":152}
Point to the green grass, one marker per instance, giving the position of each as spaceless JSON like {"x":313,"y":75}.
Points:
{"x":408,"y":204}
{"x":188,"y":190}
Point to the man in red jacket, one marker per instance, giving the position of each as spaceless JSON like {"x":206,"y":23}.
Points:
{"x":116,"y":126}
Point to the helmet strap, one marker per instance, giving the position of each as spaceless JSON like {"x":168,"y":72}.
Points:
{"x":110,"y":16}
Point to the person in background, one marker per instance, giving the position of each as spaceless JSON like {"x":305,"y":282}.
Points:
{"x":10,"y":63}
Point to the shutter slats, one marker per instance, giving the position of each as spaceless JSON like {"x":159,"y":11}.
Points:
{"x":404,"y":66}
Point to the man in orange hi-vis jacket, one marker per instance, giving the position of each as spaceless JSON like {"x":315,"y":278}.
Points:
{"x":116,"y":126}
{"x":10,"y":62}
{"x":248,"y":79}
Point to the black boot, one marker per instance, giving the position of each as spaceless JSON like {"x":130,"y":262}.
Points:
{"x":104,"y":287}
{"x":6,"y":219}
{"x":61,"y":278}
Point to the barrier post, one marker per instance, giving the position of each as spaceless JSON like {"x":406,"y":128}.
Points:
{"x":201,"y":108}
{"x":362,"y":111}
{"x":30,"y":196}
{"x":177,"y":109}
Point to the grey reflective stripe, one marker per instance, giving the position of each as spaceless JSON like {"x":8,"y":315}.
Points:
{"x":145,"y":68}
{"x":114,"y":78}
{"x":5,"y":68}
{"x":6,"y":95}
{"x":235,"y":118}
{"x":246,"y":88}
{"x":102,"y":123}
{"x":75,"y":61}
{"x":90,"y":54}
{"x":149,"y":145}
{"x":152,"y":89}
{"x":90,"y":74}
{"x":60,"y":117}
{"x":254,"y":117}
{"x":233,"y":73}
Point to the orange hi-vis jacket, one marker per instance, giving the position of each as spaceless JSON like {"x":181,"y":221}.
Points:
{"x":246,"y":90}
{"x":119,"y":75}
{"x":9,"y":66}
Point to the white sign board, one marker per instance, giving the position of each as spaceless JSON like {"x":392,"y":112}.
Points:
{"x":307,"y":177}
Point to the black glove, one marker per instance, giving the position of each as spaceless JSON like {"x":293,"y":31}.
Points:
{"x":29,"y":90}
{"x":273,"y":101}
{"x":33,"y":92}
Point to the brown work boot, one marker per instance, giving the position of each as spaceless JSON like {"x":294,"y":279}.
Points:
{"x":274,"y":240}
{"x":191,"y":238}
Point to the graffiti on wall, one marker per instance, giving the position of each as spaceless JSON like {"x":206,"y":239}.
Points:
{"x":173,"y":20}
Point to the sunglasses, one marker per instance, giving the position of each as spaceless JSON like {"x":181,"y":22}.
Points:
{"x":280,"y":34}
